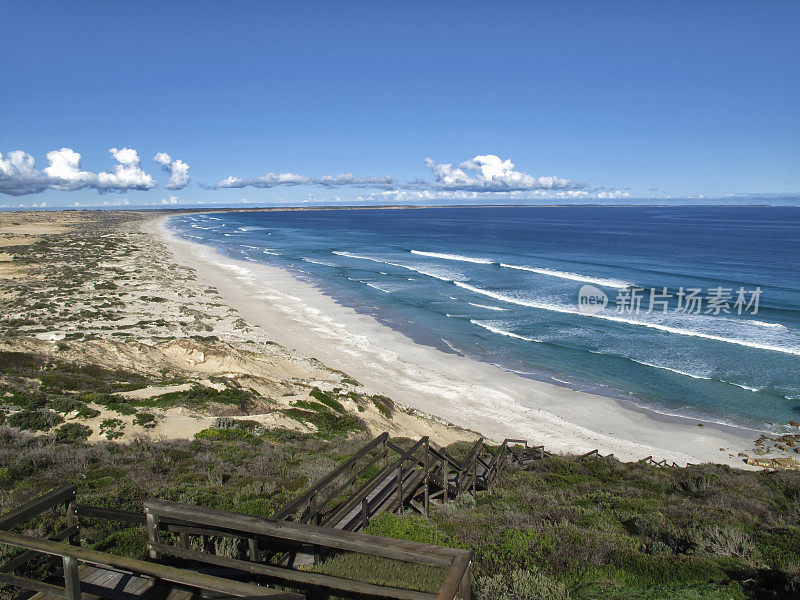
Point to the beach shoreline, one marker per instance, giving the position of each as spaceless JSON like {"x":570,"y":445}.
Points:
{"x":468,"y":393}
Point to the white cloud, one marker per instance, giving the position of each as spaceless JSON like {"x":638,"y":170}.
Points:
{"x":177,"y":169}
{"x":65,"y":171}
{"x":328,"y":181}
{"x":487,"y":173}
{"x":18,"y":174}
{"x":128,"y":173}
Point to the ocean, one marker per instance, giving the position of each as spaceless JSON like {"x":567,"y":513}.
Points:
{"x":692,"y":311}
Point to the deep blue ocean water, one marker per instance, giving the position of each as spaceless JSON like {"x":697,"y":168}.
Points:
{"x":501,"y":285}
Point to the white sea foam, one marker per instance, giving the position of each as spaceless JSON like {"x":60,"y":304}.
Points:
{"x":377,"y":287}
{"x":425,"y":272}
{"x":765,"y":324}
{"x":486,"y":306}
{"x":319,"y":262}
{"x":606,"y":317}
{"x":458,"y":257}
{"x":679,"y":372}
{"x":693,"y":375}
{"x":452,"y":347}
{"x":500,"y":331}
{"x":613,"y":283}
{"x":744,"y":387}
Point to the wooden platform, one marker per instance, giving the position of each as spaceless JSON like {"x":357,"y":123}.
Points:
{"x":100,"y":582}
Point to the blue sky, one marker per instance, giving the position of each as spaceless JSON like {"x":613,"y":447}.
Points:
{"x":644,"y":99}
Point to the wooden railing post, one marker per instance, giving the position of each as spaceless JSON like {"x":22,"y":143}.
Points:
{"x":445,"y":479}
{"x":400,"y":487}
{"x":72,"y":581}
{"x":465,"y":587}
{"x":364,"y":513}
{"x":72,"y":519}
{"x":427,"y":482}
{"x":252,"y":550}
{"x":313,"y":517}
{"x":475,"y":476}
{"x":151,"y":524}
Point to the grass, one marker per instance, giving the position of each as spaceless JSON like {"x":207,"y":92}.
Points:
{"x":382,"y":571}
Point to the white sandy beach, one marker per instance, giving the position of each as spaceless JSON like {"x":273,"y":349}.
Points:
{"x":471,"y":394}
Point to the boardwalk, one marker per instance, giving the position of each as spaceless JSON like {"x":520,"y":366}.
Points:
{"x":325,"y":520}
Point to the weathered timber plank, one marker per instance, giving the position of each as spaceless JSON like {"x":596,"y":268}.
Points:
{"x":97,"y":512}
{"x":38,"y":505}
{"x":28,"y":555}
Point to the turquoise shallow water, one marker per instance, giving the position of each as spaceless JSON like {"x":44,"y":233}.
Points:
{"x":501,"y":284}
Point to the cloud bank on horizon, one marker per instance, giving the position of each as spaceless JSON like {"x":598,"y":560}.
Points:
{"x":19,"y":176}
{"x":485,"y":175}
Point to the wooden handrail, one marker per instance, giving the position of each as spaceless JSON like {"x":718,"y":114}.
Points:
{"x":362,"y":493}
{"x":96,"y":512}
{"x":299,"y":577}
{"x":327,"y":537}
{"x":303,"y":498}
{"x":456,"y":561}
{"x":62,"y":495}
{"x":140,"y":567}
{"x":28,"y":555}
{"x":457,"y":582}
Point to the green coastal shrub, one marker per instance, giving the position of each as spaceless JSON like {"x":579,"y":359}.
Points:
{"x":122,"y":408}
{"x":130,"y":542}
{"x":86,"y":412}
{"x":212,"y":433}
{"x":384,"y":404}
{"x":35,"y":420}
{"x":65,"y":404}
{"x":520,"y":584}
{"x":327,"y":400}
{"x":328,"y":424}
{"x":145,"y":419}
{"x":199,"y":396}
{"x":112,"y":428}
{"x":73,"y":433}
